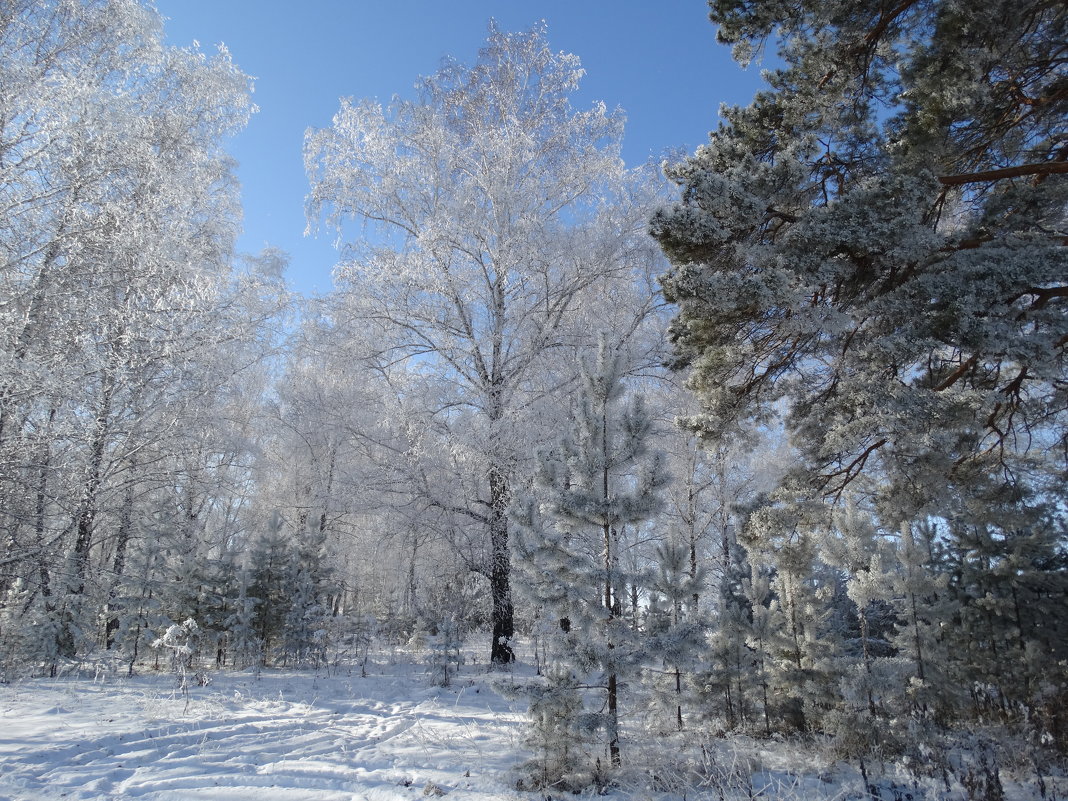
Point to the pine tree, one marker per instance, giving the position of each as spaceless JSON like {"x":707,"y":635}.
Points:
{"x":762,"y":622}
{"x":873,"y":250}
{"x":678,"y":639}
{"x":594,"y":482}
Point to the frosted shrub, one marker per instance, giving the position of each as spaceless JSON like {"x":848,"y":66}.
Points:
{"x":180,"y":641}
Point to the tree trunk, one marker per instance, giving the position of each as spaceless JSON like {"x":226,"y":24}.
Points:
{"x":500,"y":570}
{"x":408,"y":602}
{"x":118,"y":565}
{"x":613,"y":722}
{"x":40,"y":512}
{"x":916,"y":637}
{"x":678,"y":697}
{"x":87,"y":508}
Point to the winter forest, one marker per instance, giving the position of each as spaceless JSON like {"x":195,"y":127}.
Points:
{"x":696,"y":470}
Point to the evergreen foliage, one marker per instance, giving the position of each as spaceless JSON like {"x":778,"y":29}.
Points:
{"x":875,"y":249}
{"x":592,"y":483}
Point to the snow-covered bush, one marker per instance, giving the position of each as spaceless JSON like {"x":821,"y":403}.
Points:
{"x":181,"y":642}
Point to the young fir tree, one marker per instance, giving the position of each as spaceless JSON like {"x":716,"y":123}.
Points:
{"x":732,"y":683}
{"x":914,"y":689}
{"x":27,"y":636}
{"x":1005,"y":585}
{"x":596,"y":480}
{"x":139,"y":595}
{"x":307,"y":576}
{"x":764,"y":621}
{"x":240,"y":625}
{"x":851,"y":545}
{"x":801,"y":658}
{"x":556,"y":732}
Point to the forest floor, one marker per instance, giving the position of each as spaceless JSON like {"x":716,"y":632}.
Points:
{"x":278,"y":735}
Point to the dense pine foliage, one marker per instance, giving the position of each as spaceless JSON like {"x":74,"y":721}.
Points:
{"x":873,"y":253}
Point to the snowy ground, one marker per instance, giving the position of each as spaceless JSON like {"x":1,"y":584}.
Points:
{"x":300,"y":736}
{"x":272,"y":737}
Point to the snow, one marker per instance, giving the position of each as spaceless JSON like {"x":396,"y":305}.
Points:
{"x":293,"y":735}
{"x":273,"y":735}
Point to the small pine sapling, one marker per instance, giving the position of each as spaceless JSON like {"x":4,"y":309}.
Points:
{"x":598,"y":479}
{"x":676,"y":630}
{"x":444,"y":655}
{"x":556,"y":734}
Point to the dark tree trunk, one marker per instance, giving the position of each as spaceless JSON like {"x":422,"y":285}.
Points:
{"x":613,"y":722}
{"x":500,"y":570}
{"x":87,"y":508}
{"x":40,"y":512}
{"x":118,"y":565}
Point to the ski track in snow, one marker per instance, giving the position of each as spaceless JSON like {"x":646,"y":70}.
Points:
{"x":276,"y":737}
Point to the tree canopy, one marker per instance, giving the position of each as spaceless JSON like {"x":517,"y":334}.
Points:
{"x":875,"y":247}
{"x":503,"y":224}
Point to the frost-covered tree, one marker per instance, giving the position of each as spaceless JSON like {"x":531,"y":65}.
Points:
{"x":852,"y":545}
{"x":118,"y":213}
{"x":716,"y":482}
{"x":304,"y":634}
{"x":862,"y":621}
{"x":503,"y":223}
{"x":556,"y":731}
{"x":878,"y":240}
{"x":677,"y":629}
{"x":1006,"y":636}
{"x":269,"y":569}
{"x":594,"y":482}
{"x":875,"y":248}
{"x":240,"y":625}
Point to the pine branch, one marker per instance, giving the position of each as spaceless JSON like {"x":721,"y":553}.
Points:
{"x":1040,"y":169}
{"x":872,"y":38}
{"x":957,"y":374}
{"x":851,"y":471}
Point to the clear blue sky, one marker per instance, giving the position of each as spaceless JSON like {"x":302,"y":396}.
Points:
{"x":656,"y":59}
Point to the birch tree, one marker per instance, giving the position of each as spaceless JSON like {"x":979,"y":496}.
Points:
{"x":118,"y":213}
{"x":492,"y":211}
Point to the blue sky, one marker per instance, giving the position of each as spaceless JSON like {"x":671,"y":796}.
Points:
{"x":659,"y":61}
